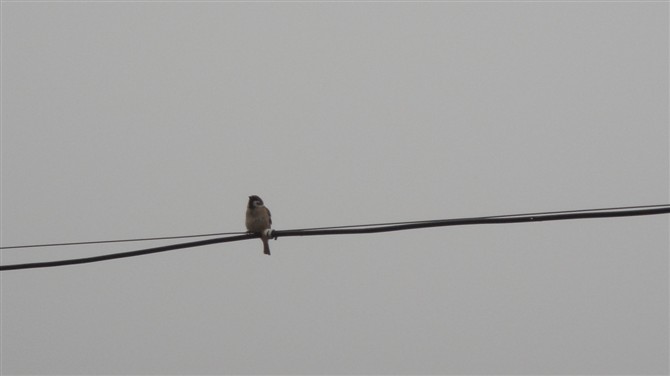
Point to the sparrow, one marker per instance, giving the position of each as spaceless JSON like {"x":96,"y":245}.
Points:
{"x":259,"y":220}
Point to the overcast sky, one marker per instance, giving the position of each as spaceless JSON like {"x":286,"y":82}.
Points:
{"x":124,"y":120}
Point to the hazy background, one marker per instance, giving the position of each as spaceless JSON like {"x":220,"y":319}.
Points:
{"x":124,"y":120}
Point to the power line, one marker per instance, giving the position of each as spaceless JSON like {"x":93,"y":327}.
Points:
{"x":366,"y":229}
{"x":309,"y":229}
{"x":497,"y":216}
{"x":125,"y":254}
{"x":120,"y":240}
{"x":500,"y":219}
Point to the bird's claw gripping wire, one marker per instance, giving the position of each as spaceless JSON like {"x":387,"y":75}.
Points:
{"x":269,"y":233}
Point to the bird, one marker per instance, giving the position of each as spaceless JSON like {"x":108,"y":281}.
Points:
{"x":258,"y":220}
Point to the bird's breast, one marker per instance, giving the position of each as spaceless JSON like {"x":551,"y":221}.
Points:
{"x":257,"y":220}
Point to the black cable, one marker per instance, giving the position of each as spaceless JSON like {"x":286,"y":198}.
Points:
{"x":303,"y":229}
{"x":497,"y":216}
{"x":126,"y":254}
{"x":516,"y":218}
{"x":120,"y":240}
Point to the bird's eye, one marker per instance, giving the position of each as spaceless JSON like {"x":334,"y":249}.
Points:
{"x":258,"y":203}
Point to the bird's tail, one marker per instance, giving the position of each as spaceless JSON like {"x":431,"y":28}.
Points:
{"x":266,"y":245}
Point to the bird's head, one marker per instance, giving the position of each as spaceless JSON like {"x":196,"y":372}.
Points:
{"x":254,"y":202}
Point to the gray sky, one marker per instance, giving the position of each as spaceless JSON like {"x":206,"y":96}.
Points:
{"x":124,"y":120}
